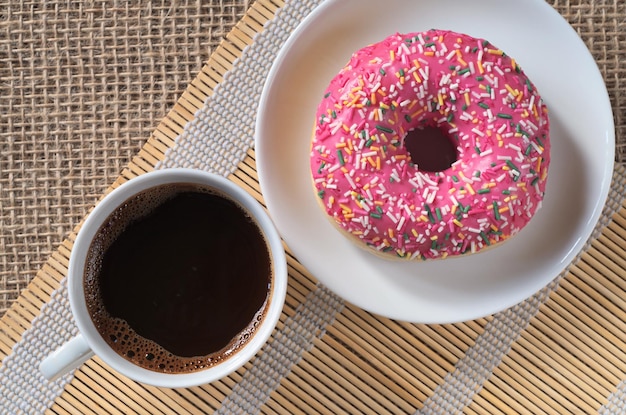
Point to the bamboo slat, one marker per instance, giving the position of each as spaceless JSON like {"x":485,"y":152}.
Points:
{"x":574,"y":347}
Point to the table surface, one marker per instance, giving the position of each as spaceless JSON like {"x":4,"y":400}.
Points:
{"x":95,"y":93}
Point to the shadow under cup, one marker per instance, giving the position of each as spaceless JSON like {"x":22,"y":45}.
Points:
{"x":177,"y":278}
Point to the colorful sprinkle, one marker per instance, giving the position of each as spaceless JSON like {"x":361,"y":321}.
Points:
{"x":479,"y":96}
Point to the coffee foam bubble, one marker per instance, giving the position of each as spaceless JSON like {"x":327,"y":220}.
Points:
{"x":150,"y":355}
{"x":116,"y":332}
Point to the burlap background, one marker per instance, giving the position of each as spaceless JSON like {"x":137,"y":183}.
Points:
{"x":83,"y":84}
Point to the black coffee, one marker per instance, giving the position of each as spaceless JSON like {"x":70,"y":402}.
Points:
{"x":177,"y":278}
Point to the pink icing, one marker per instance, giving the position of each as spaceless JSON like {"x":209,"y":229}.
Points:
{"x":479,"y":97}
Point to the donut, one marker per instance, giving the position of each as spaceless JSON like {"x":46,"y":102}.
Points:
{"x":430,"y":145}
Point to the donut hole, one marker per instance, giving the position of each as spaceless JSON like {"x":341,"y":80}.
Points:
{"x":430,"y":148}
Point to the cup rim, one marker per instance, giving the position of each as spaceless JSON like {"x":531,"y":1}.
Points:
{"x":83,"y":241}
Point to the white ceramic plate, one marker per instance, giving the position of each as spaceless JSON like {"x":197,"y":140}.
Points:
{"x":456,"y":289}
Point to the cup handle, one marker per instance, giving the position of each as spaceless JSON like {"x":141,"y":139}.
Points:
{"x":66,"y":358}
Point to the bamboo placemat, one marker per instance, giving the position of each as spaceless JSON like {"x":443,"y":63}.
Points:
{"x":559,"y":352}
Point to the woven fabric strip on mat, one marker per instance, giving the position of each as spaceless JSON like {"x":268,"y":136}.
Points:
{"x":228,"y":119}
{"x":470,"y":372}
{"x":616,"y":402}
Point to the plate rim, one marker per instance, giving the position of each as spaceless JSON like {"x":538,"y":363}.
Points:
{"x":596,"y":212}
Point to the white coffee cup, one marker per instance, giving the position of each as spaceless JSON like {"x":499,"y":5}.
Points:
{"x":89,"y":341}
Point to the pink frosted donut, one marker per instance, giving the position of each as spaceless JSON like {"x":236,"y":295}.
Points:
{"x":429,"y":145}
